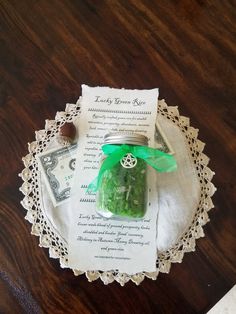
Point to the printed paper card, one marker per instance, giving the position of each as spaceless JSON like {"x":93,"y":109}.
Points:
{"x":97,"y":243}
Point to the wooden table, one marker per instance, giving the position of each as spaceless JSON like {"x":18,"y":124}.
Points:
{"x":48,"y":48}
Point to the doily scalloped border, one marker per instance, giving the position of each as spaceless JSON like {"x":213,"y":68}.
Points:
{"x":49,"y":238}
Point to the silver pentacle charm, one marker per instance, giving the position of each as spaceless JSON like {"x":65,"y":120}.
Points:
{"x":128,"y":161}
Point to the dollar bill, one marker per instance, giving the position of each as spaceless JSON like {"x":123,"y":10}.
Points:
{"x":161,"y":140}
{"x":57,"y":168}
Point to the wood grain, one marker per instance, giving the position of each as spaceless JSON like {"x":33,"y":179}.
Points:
{"x":47,"y":49}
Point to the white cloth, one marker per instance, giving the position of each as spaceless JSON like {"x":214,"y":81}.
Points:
{"x":179,"y":192}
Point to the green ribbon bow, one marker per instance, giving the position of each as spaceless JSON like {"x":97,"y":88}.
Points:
{"x":160,"y":161}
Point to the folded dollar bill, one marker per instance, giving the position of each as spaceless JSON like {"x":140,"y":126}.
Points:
{"x":161,"y":140}
{"x":57,"y":169}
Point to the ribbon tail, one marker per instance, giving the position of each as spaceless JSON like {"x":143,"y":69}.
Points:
{"x":160,"y":161}
{"x":163,"y":164}
{"x":92,"y":187}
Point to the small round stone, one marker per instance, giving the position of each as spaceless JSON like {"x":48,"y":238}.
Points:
{"x":67,"y":133}
{"x":68,"y":129}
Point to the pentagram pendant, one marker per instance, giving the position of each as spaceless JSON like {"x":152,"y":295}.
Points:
{"x":128,"y":161}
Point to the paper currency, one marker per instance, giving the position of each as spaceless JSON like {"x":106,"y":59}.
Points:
{"x":161,"y":140}
{"x":57,"y":168}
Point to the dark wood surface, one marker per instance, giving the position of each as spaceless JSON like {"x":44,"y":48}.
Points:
{"x":47,"y":49}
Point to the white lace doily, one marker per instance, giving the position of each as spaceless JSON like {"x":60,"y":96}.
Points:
{"x":50,"y":238}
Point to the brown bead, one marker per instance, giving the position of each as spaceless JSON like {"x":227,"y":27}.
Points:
{"x":67,"y":133}
{"x":68,"y":129}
